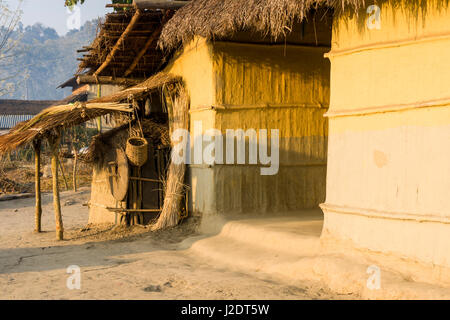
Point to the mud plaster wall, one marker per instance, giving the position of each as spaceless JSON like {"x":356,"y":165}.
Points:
{"x":101,"y":198}
{"x":388,"y":179}
{"x":254,"y":86}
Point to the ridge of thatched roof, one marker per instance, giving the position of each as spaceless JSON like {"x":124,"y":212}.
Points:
{"x":220,"y":18}
{"x":154,"y":82}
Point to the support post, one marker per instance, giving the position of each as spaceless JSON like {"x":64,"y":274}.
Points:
{"x":75,"y":162}
{"x":37,"y":179}
{"x":54,"y":143}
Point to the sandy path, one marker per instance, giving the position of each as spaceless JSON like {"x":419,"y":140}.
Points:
{"x":117,"y":265}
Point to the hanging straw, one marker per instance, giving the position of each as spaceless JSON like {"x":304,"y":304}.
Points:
{"x":174,"y":186}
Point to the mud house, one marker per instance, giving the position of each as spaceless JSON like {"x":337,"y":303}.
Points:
{"x":388,"y":162}
{"x":388,"y":177}
{"x":245,"y":80}
{"x":356,"y":89}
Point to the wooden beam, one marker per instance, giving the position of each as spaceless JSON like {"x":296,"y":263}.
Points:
{"x":54,"y":143}
{"x":142,"y":52}
{"x":118,"y":43}
{"x":152,"y":4}
{"x":119,"y":5}
{"x":37,"y":178}
{"x":87,"y":79}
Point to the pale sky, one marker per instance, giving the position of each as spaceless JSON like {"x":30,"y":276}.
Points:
{"x":52,"y":13}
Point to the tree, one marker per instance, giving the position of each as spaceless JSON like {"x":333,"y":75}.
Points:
{"x":9,"y":20}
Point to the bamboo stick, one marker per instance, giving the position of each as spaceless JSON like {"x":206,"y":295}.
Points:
{"x":37,"y":178}
{"x":142,"y":52}
{"x":119,"y":5}
{"x":54,"y":143}
{"x":74,"y":173}
{"x":82,"y":79}
{"x":61,"y":167}
{"x":119,"y":43}
{"x":152,"y":4}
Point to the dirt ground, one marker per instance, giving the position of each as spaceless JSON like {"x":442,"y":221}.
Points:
{"x":118,"y":263}
{"x":18,"y":177}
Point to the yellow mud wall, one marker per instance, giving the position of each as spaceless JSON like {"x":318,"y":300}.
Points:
{"x":256,"y":86}
{"x":273,"y":87}
{"x":388,"y":176}
{"x":101,"y":198}
{"x":194,"y":64}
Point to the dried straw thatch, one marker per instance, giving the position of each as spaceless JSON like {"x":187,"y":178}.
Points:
{"x":53,"y":119}
{"x":174,"y":187}
{"x":155,"y":82}
{"x":222,"y":18}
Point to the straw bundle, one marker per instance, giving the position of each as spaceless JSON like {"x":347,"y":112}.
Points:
{"x":174,"y":186}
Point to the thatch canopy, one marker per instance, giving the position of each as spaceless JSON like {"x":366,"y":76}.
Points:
{"x":52,"y":120}
{"x":221,"y":18}
{"x":56,"y":118}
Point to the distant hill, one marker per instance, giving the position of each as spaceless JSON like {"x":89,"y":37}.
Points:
{"x":42,"y":60}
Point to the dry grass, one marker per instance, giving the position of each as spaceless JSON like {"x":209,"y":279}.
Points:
{"x":52,"y":120}
{"x":18,"y":177}
{"x":153,"y":83}
{"x":174,"y":186}
{"x":221,"y":18}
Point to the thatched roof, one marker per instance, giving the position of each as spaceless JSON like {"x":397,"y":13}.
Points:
{"x":126,"y":46}
{"x":221,"y":18}
{"x":54,"y":119}
{"x":155,"y":82}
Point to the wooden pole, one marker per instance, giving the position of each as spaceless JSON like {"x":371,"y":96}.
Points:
{"x":152,"y":4}
{"x":141,"y":53}
{"x":37,"y":179}
{"x":54,"y":143}
{"x":82,"y":79}
{"x":63,"y":172}
{"x":75,"y":160}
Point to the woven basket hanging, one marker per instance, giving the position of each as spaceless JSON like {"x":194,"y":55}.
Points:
{"x":137,"y":151}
